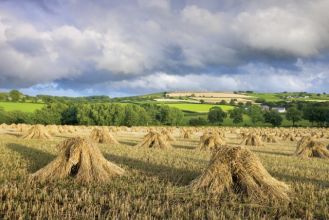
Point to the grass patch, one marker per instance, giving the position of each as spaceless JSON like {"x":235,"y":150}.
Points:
{"x":276,"y":97}
{"x":19,"y":106}
{"x":269,"y":97}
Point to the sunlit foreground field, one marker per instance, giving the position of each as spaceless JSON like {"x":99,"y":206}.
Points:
{"x":156,"y":182}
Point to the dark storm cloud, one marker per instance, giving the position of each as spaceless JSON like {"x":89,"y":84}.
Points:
{"x":120,"y":47}
{"x":27,"y":46}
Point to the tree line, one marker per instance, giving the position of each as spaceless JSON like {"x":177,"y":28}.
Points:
{"x":16,"y":96}
{"x":316,"y":113}
{"x":97,"y":114}
{"x":118,"y":114}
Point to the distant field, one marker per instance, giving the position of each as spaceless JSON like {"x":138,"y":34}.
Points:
{"x":227,"y":100}
{"x":208,"y":94}
{"x":276,"y":97}
{"x":269,"y":97}
{"x":18,"y":106}
{"x":216,"y":97}
{"x":176,"y":100}
{"x":199,"y":107}
{"x":212,"y":97}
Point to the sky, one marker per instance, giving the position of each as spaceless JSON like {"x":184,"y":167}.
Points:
{"x":126,"y":47}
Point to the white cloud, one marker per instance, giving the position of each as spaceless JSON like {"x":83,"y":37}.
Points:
{"x":279,"y":30}
{"x":136,"y":46}
{"x":121,"y":55}
{"x":163,"y":5}
{"x":203,"y":19}
{"x":161,"y":81}
{"x":85,"y":43}
{"x":257,"y":77}
{"x":50,"y":89}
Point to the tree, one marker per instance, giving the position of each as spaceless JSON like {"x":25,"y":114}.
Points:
{"x":320,"y":115}
{"x":50,"y":114}
{"x":237,"y":115}
{"x":232,"y":102}
{"x":197,"y":121}
{"x":16,"y":117}
{"x":294,"y":115}
{"x":3,"y":96}
{"x":69,"y":116}
{"x":152,"y":111}
{"x":170,"y":116}
{"x":260,"y":100}
{"x":202,"y":101}
{"x":131,"y":116}
{"x":15,"y":95}
{"x":178,"y":116}
{"x":327,"y":117}
{"x":46,"y":99}
{"x":317,"y":113}
{"x":256,"y":114}
{"x":223,"y":102}
{"x":3,"y":116}
{"x":216,"y":115}
{"x":273,"y":117}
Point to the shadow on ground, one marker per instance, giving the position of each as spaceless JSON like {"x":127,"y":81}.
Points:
{"x":65,"y":136}
{"x":15,"y":134}
{"x":175,"y":176}
{"x":272,"y":153}
{"x":184,"y":146}
{"x":36,"y":158}
{"x":129,"y":143}
{"x":301,"y":179}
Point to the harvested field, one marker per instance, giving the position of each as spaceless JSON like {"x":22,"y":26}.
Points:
{"x":156,"y":181}
{"x":208,"y":94}
{"x":212,"y":97}
{"x":219,"y":99}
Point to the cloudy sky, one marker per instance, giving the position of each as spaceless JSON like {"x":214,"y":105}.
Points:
{"x":126,"y":47}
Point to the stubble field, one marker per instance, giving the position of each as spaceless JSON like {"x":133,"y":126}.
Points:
{"x":155,"y":184}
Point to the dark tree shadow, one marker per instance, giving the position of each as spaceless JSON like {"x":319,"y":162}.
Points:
{"x":179,"y":177}
{"x":36,"y":158}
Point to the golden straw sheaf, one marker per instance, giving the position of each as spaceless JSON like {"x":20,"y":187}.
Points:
{"x":80,"y":160}
{"x":238,"y":170}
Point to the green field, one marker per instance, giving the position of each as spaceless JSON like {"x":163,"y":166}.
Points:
{"x":18,"y":106}
{"x":269,"y":97}
{"x":198,"y":107}
{"x":276,"y":97}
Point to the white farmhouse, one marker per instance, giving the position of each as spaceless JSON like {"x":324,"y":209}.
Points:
{"x":279,"y":109}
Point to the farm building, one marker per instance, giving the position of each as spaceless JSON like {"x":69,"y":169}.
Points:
{"x":279,"y":109}
{"x":265,"y":107}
